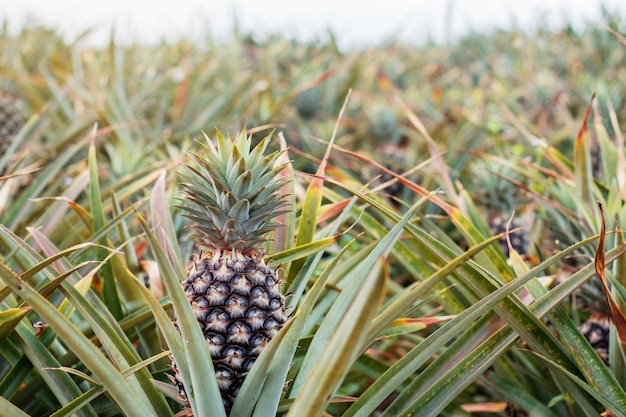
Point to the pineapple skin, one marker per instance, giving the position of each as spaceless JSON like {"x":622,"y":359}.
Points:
{"x":232,"y":196}
{"x":239,"y":307}
{"x":11,"y":119}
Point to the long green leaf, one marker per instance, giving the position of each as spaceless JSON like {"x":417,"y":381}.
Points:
{"x":190,"y":352}
{"x":246,"y":401}
{"x":582,"y":161}
{"x":109,"y":333}
{"x":165,"y":231}
{"x":279,"y":364}
{"x":437,"y":393}
{"x":339,"y":308}
{"x":109,"y":287}
{"x":61,"y":384}
{"x":342,"y":349}
{"x":124,"y":394}
{"x":312,"y":202}
{"x":85,"y":398}
{"x":408,"y":365}
{"x":303,"y":251}
{"x":9,"y":410}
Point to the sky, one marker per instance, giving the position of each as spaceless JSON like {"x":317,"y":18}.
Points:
{"x":352,"y":23}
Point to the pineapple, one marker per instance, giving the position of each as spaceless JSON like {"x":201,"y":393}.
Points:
{"x":11,"y":121}
{"x":394,"y":158}
{"x":390,"y":147}
{"x":502,"y":223}
{"x":596,"y":330}
{"x":231,"y":195}
{"x":499,"y":198}
{"x":308,"y":102}
{"x":596,"y":327}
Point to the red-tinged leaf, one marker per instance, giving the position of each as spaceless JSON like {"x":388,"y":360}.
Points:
{"x":410,"y":325}
{"x":620,"y":157}
{"x":312,"y":83}
{"x":384,"y":83}
{"x":182,"y":90}
{"x":140,"y":249}
{"x":418,"y":189}
{"x":441,"y":167}
{"x":425,"y":321}
{"x":557,"y":160}
{"x":342,"y":399}
{"x":18,"y":174}
{"x":617,"y":316}
{"x":151,"y":268}
{"x":485,"y":407}
{"x":83,"y":214}
{"x":582,"y":158}
{"x":380,"y":167}
{"x":330,"y":211}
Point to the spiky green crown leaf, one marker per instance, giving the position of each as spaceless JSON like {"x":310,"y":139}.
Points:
{"x":231,"y":192}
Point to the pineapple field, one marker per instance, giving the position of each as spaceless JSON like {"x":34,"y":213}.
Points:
{"x":259,"y":227}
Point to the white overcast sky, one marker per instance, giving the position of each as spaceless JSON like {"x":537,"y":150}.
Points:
{"x":353,"y":22}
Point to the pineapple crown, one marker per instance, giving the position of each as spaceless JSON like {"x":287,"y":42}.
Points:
{"x":231,"y":192}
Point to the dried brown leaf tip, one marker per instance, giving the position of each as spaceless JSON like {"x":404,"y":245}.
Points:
{"x":616,"y":315}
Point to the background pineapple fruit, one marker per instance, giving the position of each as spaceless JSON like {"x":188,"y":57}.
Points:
{"x":231,"y":194}
{"x":390,"y":148}
{"x":11,"y":117}
{"x":395,"y":158}
{"x":596,"y":327}
{"x":502,"y":223}
{"x":308,"y":103}
{"x":500,"y":199}
{"x":11,"y":120}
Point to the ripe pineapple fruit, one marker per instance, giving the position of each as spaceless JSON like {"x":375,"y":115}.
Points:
{"x":231,"y":194}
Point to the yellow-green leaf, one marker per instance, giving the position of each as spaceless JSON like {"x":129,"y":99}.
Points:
{"x":9,"y":319}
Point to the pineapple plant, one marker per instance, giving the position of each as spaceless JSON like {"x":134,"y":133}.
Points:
{"x":232,"y":196}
